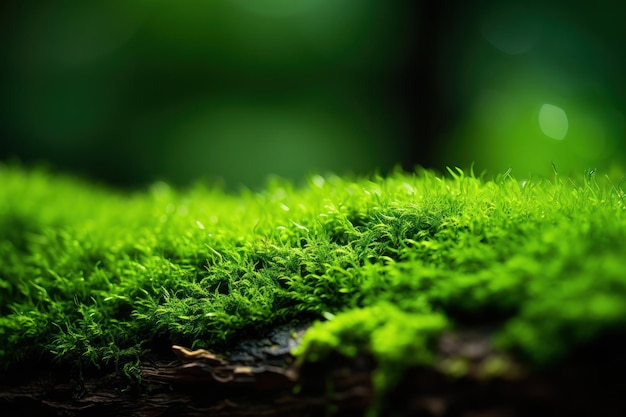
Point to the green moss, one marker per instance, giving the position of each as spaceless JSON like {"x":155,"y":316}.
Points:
{"x":398,"y":338}
{"x":100,"y":277}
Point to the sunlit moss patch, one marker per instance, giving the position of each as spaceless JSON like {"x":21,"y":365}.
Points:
{"x":381,"y":266}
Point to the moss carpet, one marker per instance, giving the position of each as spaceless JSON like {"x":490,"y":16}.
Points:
{"x":99,"y":278}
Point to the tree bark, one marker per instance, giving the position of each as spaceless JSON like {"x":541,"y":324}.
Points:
{"x":589,"y":382}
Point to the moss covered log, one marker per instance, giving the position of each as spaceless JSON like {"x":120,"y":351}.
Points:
{"x":94,"y":278}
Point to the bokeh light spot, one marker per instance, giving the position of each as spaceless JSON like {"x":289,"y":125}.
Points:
{"x":553,"y":121}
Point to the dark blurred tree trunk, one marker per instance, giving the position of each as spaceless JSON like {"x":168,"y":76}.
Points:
{"x":420,"y":83}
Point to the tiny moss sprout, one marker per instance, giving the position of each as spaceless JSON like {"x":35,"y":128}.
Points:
{"x":96,"y":278}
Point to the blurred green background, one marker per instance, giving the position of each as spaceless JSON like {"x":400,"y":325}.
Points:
{"x":132,"y":91}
